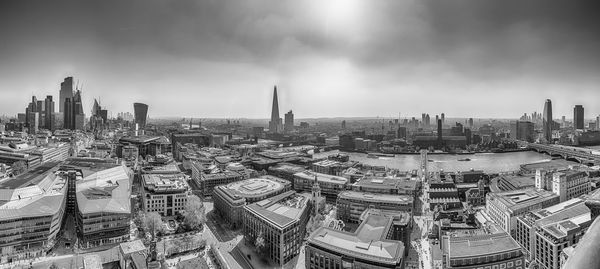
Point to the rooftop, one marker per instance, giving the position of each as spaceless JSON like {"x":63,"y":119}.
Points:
{"x":480,"y":245}
{"x":102,"y":185}
{"x":165,"y":182}
{"x":518,"y":199}
{"x":254,"y":187}
{"x":44,"y":198}
{"x":283,"y":209}
{"x":142,"y":139}
{"x":387,"y":182}
{"x":365,"y":196}
{"x":219,"y":175}
{"x":368,"y":242}
{"x":308,"y":175}
{"x":30,"y":178}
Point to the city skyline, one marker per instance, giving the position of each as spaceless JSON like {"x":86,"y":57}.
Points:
{"x":220,"y":60}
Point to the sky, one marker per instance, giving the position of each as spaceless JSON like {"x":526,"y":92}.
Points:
{"x":328,"y":58}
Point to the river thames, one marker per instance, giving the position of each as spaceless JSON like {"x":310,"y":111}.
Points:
{"x":488,"y":162}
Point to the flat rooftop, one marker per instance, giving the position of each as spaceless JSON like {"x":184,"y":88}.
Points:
{"x":368,"y":242}
{"x":387,"y":182}
{"x":142,"y":139}
{"x":371,"y":197}
{"x":480,"y":245}
{"x":44,"y":198}
{"x":550,"y":164}
{"x":518,"y":199}
{"x":29,"y":178}
{"x":165,"y":182}
{"x":220,"y":175}
{"x":102,"y":186}
{"x":254,"y":187}
{"x":308,"y":175}
{"x":283,"y":209}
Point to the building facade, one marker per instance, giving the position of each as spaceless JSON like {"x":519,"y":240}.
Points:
{"x":504,"y":207}
{"x":230,"y":199}
{"x":281,"y":222}
{"x":330,"y":185}
{"x":165,"y":194}
{"x":352,"y":204}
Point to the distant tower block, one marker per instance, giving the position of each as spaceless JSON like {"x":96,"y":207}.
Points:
{"x":141,"y":113}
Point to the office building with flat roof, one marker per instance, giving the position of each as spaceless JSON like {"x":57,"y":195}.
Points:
{"x":482,"y":251}
{"x":281,"y":221}
{"x":544,"y":233}
{"x":330,"y":185}
{"x":207,"y":182}
{"x":570,"y":184}
{"x":99,"y":193}
{"x":387,"y":185}
{"x":372,"y":245}
{"x":164,"y":193}
{"x":504,"y":207}
{"x":330,"y":167}
{"x":286,"y":171}
{"x":32,"y":206}
{"x":351,"y":204}
{"x":230,"y":199}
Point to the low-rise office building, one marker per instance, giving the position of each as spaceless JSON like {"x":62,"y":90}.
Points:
{"x":99,"y":192}
{"x":570,"y":184}
{"x":32,"y":207}
{"x":482,"y":251}
{"x":352,"y":204}
{"x":504,"y":207}
{"x":544,"y":233}
{"x":281,"y":221}
{"x":373,"y":245}
{"x":330,"y":185}
{"x":387,"y":185}
{"x":286,"y":171}
{"x":229,"y":200}
{"x":165,"y":194}
{"x":208,"y":181}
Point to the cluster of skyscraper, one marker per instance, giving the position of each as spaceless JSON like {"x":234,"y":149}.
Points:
{"x":39,"y":114}
{"x":276,"y":125}
{"x":71,"y":106}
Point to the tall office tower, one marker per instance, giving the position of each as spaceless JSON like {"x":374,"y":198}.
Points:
{"x":78,"y":118}
{"x":423,"y":119}
{"x":547,"y":120}
{"x":66,"y":91}
{"x":437,"y":118}
{"x":289,"y":122}
{"x":439,"y":132}
{"x":578,"y":117}
{"x":443,"y":119}
{"x":471,"y":123}
{"x":68,"y":115}
{"x":141,"y":113}
{"x":41,"y":108}
{"x":49,"y":113}
{"x":427,"y":120}
{"x":598,"y":122}
{"x":344,"y":124}
{"x":275,"y":123}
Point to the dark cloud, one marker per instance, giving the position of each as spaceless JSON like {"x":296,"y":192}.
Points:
{"x":379,"y":53}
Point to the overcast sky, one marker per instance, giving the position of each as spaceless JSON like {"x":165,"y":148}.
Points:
{"x":328,"y":58}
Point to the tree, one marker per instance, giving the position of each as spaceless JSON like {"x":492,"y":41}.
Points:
{"x":194,"y":215}
{"x":19,"y":168}
{"x":261,"y":246}
{"x":53,"y":266}
{"x":153,"y":224}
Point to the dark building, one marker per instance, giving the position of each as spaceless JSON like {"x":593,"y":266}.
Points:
{"x":141,"y":113}
{"x":547,"y":120}
{"x":66,"y":91}
{"x":73,"y":112}
{"x":289,"y":122}
{"x":275,"y":123}
{"x":578,"y":117}
{"x":439,"y":131}
{"x":67,"y":113}
{"x":49,"y":113}
{"x":347,"y":141}
{"x":401,"y":132}
{"x":522,"y":130}
{"x":468,"y":136}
